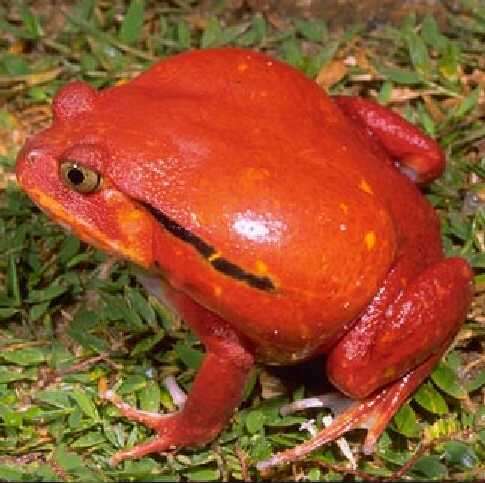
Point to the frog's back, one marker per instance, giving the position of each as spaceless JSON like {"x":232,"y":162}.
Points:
{"x":256,"y":161}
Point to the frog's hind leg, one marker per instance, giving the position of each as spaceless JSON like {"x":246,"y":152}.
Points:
{"x":418,"y":155}
{"x":391,"y":350}
{"x":213,"y":397}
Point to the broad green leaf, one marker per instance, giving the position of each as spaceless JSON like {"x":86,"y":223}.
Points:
{"x":85,"y":403}
{"x":131,"y":27}
{"x":444,"y":377}
{"x":30,"y":356}
{"x":430,"y":399}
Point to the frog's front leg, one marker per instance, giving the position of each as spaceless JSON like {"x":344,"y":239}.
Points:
{"x":418,"y":155}
{"x":215,"y":393}
{"x":391,"y":349}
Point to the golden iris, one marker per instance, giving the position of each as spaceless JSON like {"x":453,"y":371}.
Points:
{"x":80,"y":178}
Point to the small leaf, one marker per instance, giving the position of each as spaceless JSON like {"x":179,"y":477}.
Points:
{"x":131,"y":384}
{"x":460,"y":454}
{"x":10,"y":375}
{"x":85,"y":403}
{"x":30,"y":23}
{"x":31,"y":356}
{"x":131,"y":27}
{"x":255,"y":421}
{"x":44,"y":295}
{"x":477,"y":382}
{"x":313,"y":30}
{"x":418,"y":52}
{"x":405,"y":421}
{"x":149,"y":397}
{"x":70,"y":247}
{"x":204,"y":474}
{"x":67,"y":460}
{"x":212,"y":35}
{"x":183,"y":35}
{"x":147,"y":343}
{"x":400,"y":76}
{"x":444,"y":377}
{"x":88,"y":440}
{"x":430,"y":399}
{"x":430,"y":467}
{"x":191,"y":357}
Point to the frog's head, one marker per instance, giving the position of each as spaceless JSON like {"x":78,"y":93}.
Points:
{"x":63,"y":170}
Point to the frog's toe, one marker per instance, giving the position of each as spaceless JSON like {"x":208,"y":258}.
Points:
{"x":372,"y":413}
{"x":335,"y":401}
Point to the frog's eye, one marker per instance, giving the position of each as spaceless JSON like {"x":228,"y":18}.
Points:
{"x":80,"y":178}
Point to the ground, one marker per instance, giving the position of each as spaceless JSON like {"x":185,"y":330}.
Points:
{"x":73,"y":322}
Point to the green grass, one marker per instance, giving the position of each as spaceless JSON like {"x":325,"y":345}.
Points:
{"x":70,"y":322}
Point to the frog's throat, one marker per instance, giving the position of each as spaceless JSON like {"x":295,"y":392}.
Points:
{"x":210,"y":254}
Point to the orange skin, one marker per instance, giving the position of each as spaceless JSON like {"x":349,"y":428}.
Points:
{"x":284,"y":223}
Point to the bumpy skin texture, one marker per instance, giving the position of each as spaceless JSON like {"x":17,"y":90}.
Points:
{"x":285,"y":219}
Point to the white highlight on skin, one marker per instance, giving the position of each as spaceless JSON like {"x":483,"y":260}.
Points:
{"x":257,"y":227}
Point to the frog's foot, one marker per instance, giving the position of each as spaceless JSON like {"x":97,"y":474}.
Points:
{"x":213,"y":397}
{"x":372,"y":414}
{"x":419,"y":157}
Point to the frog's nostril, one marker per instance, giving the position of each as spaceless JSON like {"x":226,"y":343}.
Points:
{"x":33,"y":155}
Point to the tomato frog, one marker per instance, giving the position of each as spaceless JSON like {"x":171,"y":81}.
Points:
{"x":281,"y":224}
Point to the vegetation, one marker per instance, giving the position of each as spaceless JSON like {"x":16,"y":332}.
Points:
{"x":73,"y":321}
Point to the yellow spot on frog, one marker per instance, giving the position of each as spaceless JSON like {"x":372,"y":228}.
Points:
{"x":344,"y":208}
{"x":370,"y":240}
{"x":364,"y":186}
{"x":390,"y":372}
{"x":242,"y":67}
{"x":213,"y":257}
{"x":261,"y":267}
{"x":217,"y":291}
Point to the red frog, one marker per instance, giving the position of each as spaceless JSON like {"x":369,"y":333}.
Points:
{"x":281,"y":224}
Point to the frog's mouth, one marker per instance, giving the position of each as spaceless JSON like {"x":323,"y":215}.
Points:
{"x":209,"y":253}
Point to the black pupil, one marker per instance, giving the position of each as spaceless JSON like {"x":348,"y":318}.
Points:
{"x":76,"y":176}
